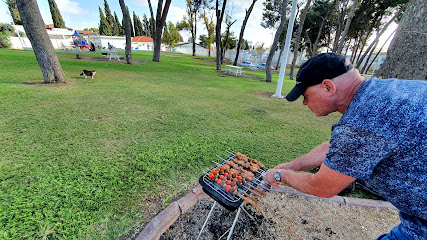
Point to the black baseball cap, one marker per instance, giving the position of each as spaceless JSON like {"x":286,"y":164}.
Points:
{"x":315,"y":70}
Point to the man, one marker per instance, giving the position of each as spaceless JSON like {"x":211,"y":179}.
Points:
{"x":381,"y":139}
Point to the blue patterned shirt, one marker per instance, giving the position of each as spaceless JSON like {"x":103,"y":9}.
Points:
{"x":382,"y":140}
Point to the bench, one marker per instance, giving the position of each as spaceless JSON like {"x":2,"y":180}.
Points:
{"x":234,"y":69}
{"x":112,"y":53}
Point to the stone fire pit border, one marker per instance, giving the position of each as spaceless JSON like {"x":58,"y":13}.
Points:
{"x":162,"y":221}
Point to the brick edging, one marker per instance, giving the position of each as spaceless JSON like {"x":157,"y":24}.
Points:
{"x":162,"y":221}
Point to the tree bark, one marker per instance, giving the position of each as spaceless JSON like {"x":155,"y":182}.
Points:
{"x":128,"y":31}
{"x":242,"y":31}
{"x":219,"y":17}
{"x":153,"y":21}
{"x":407,"y":54}
{"x":276,"y":39}
{"x":160,"y":23}
{"x":42,"y":46}
{"x":298,"y":37}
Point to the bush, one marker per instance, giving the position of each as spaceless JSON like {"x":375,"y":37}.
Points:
{"x":4,"y":41}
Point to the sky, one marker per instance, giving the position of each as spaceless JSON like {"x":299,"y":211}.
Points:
{"x":81,"y":14}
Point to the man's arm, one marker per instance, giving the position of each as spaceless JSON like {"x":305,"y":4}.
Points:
{"x":312,"y":159}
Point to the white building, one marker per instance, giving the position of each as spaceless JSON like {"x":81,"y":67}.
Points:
{"x":187,"y":48}
{"x":142,"y":43}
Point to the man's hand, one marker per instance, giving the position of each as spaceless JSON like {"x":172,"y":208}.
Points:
{"x":269,"y":177}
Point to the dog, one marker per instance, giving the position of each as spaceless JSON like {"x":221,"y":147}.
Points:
{"x":88,"y":73}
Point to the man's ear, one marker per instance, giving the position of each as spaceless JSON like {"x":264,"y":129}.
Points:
{"x":329,"y":86}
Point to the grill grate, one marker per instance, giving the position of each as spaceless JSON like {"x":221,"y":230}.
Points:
{"x":220,"y":195}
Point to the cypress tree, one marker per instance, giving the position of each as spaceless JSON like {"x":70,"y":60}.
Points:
{"x":115,"y":27}
{"x":119,"y":26}
{"x":58,"y":22}
{"x":139,"y":30}
{"x":13,"y":9}
{"x":104,"y":28}
{"x":109,"y":17}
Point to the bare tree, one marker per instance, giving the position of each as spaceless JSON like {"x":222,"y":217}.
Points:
{"x":407,"y":54}
{"x":219,"y":17}
{"x":128,"y":31}
{"x":43,"y":49}
{"x":162,"y":13}
{"x":276,"y":40}
{"x":242,"y":30}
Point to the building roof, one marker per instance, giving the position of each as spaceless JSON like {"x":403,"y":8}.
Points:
{"x":85,"y":32}
{"x":141,"y":39}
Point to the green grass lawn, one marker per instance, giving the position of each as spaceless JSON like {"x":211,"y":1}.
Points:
{"x":90,"y":158}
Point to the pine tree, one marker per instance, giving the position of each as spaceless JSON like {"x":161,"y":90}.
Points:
{"x":58,"y":22}
{"x":13,"y":9}
{"x":104,"y":28}
{"x":109,"y":17}
{"x":119,"y":26}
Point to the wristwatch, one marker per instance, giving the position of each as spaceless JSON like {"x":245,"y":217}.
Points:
{"x":278,"y":175}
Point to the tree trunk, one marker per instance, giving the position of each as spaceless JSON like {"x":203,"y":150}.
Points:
{"x":276,"y":39}
{"x":377,"y":37}
{"x":153,"y":21}
{"x":280,"y":54}
{"x":379,"y":51}
{"x":219,"y":16}
{"x":407,"y":54}
{"x":160,"y":23}
{"x":298,"y":37}
{"x":42,"y":46}
{"x":242,"y":30}
{"x":347,"y":27}
{"x":339,"y":27}
{"x":364,"y":70}
{"x":128,"y":33}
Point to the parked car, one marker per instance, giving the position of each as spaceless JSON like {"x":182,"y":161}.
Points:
{"x":246,"y":64}
{"x":262,"y":66}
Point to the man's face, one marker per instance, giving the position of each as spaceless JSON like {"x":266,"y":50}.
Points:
{"x":318,"y":100}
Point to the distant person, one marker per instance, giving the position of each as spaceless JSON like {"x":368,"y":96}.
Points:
{"x":92,"y":47}
{"x":381,"y":139}
{"x":110,"y":46}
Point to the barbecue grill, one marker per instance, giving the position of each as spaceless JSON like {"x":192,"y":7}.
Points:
{"x":246,"y":192}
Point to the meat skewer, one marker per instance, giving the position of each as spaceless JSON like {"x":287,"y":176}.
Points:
{"x":249,"y":201}
{"x":263,"y":193}
{"x":250,"y":197}
{"x":252,"y":191}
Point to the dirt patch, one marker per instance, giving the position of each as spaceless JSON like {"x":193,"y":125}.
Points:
{"x":283,"y":216}
{"x":41,"y":83}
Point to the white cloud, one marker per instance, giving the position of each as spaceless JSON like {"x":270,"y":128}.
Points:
{"x":67,"y":6}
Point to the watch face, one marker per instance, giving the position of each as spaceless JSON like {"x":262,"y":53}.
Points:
{"x":277,"y":175}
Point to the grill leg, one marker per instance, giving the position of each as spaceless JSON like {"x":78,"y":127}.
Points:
{"x":206,"y":221}
{"x":234,"y":224}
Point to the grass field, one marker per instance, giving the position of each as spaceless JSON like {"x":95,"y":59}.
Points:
{"x":90,"y":159}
